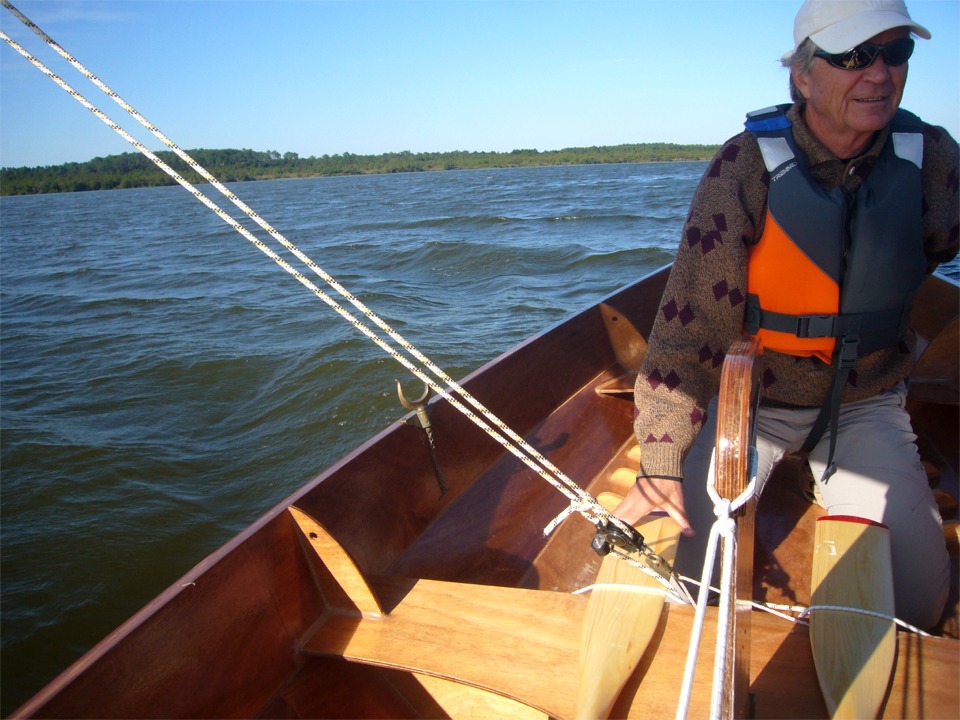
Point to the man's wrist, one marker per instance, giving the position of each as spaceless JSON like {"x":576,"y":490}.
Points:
{"x":645,"y":476}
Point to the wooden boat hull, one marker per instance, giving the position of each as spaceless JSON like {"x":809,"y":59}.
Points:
{"x":258,"y":630}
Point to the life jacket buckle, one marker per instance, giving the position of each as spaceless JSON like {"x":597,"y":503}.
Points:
{"x":848,"y":351}
{"x":816,"y":326}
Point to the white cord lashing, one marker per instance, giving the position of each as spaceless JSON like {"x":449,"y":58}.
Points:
{"x":725,"y":526}
{"x":862,"y":611}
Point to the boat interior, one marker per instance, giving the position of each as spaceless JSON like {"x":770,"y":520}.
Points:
{"x":413,"y":579}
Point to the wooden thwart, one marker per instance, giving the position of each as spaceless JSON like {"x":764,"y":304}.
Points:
{"x":504,"y":640}
{"x":495,"y":638}
{"x":523,"y":645}
{"x":853,"y":652}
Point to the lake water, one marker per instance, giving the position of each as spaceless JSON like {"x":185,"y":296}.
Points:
{"x":164,"y":383}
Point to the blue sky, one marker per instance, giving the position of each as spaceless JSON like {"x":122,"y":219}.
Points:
{"x":368,"y":77}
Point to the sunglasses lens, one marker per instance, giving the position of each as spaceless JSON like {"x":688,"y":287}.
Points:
{"x":858,"y":58}
{"x":898,"y":52}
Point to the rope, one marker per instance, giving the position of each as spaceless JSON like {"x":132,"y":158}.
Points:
{"x":640,"y":589}
{"x":680,"y":594}
{"x":726,"y":527}
{"x":861,"y":611}
{"x":580,"y":500}
{"x":772,"y":608}
{"x":673,"y":587}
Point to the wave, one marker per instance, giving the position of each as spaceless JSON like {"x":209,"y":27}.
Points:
{"x":480,"y":221}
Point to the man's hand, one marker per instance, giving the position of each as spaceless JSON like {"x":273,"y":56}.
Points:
{"x":650,"y":494}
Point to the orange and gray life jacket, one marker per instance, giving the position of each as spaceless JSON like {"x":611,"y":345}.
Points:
{"x":834,"y":273}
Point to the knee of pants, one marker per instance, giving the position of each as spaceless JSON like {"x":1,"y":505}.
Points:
{"x":921,"y":569}
{"x":904,"y":503}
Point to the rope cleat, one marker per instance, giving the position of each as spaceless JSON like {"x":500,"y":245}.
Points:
{"x":628,"y":544}
{"x":609,"y":536}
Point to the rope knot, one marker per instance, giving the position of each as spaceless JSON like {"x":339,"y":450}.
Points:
{"x":727,"y":527}
{"x":584,"y":506}
{"x":721,"y":508}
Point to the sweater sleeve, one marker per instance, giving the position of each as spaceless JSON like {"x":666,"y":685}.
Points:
{"x":701,"y":311}
{"x":941,"y":196}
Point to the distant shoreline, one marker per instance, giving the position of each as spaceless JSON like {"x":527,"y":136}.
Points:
{"x":133,"y":170}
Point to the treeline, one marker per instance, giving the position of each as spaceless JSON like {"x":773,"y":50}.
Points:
{"x":132,"y":170}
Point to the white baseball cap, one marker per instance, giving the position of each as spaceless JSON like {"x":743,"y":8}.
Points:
{"x":840,"y":25}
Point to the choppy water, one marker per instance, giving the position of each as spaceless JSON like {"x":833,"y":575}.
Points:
{"x":164,"y":383}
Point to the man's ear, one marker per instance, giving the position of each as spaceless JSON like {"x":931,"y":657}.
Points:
{"x":802,"y":82}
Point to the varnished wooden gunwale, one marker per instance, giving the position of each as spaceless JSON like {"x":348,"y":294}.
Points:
{"x":224,"y":640}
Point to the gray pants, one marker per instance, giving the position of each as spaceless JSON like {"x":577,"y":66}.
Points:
{"x":879,"y":477}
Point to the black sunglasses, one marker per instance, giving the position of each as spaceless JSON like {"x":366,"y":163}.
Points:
{"x":862,"y":56}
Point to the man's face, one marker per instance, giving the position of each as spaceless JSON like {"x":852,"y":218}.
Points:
{"x":846,"y":107}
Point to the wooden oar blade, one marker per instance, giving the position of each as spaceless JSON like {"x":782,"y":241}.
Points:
{"x":620,"y":621}
{"x":853,"y":652}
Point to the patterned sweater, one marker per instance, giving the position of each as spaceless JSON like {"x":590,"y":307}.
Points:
{"x":702,"y":308}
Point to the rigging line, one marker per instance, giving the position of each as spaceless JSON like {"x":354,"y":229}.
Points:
{"x":356,"y":302}
{"x":863,"y":611}
{"x":593,"y":510}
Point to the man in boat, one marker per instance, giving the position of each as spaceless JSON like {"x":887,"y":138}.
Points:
{"x":813,"y":228}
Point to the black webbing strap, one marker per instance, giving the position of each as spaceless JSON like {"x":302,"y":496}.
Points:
{"x":803,"y":326}
{"x":844,"y":360}
{"x":876,"y":329}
